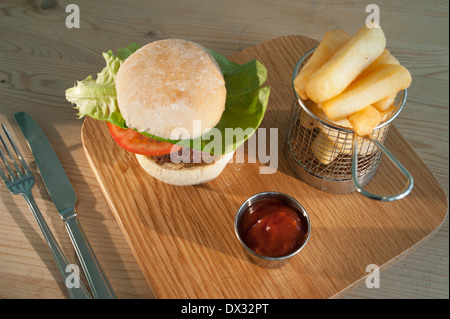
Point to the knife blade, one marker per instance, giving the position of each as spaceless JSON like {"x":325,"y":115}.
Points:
{"x":64,"y":197}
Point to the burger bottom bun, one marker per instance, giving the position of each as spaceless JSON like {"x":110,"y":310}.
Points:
{"x":184,"y":176}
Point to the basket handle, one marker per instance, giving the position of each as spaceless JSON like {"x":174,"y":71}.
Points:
{"x":384,"y":198}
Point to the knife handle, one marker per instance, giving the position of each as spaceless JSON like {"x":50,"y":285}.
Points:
{"x":100,"y":286}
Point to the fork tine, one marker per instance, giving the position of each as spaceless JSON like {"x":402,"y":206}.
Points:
{"x":5,"y":161}
{"x":16,"y":150}
{"x":2,"y":171}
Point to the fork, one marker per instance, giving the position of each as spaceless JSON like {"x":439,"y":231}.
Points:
{"x":19,"y":180}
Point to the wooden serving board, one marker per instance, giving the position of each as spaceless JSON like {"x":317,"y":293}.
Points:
{"x":183,"y":237}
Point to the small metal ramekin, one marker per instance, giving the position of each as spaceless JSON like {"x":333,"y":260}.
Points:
{"x":264,"y":261}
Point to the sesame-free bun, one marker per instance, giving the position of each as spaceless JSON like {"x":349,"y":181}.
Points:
{"x":180,"y":175}
{"x":166,"y":85}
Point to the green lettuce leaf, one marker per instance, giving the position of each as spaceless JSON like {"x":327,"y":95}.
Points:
{"x":245,"y":105}
{"x":241,"y":79}
{"x":98,"y":98}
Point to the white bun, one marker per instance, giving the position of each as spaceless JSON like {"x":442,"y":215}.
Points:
{"x":184,"y":176}
{"x":166,"y":85}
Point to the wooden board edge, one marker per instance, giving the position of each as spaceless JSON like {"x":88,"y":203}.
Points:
{"x":393,"y":261}
{"x":111,"y":206}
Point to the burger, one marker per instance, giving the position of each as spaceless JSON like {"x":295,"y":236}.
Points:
{"x":164,"y":100}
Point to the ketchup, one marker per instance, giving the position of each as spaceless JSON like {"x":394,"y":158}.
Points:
{"x":273,"y":228}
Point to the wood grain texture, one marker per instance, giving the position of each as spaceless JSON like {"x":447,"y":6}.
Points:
{"x":183,"y":237}
{"x":40,"y":58}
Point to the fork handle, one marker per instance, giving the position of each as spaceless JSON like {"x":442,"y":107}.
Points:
{"x":100,"y":286}
{"x":61,"y":261}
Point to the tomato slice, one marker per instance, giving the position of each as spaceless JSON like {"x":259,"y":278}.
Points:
{"x":137,"y":143}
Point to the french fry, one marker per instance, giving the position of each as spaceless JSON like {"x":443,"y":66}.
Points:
{"x":331,"y":42}
{"x":364,"y":147}
{"x":307,"y":121}
{"x":318,"y":111}
{"x":346,"y":64}
{"x":365,"y":121}
{"x":324,"y":149}
{"x":386,"y":58}
{"x":335,"y":136}
{"x":385,"y":103}
{"x":340,"y":143}
{"x":387,"y":113}
{"x":383,"y":82}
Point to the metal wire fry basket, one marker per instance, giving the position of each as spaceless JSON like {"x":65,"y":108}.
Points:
{"x":334,"y":158}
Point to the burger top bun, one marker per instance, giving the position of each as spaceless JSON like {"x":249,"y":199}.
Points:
{"x":165,"y":86}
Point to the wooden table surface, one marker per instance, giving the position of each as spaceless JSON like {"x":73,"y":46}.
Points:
{"x":40,"y":57}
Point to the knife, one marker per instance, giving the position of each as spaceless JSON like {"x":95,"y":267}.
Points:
{"x":63,"y":196}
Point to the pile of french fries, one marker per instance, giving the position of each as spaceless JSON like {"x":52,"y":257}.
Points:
{"x":351,"y":82}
